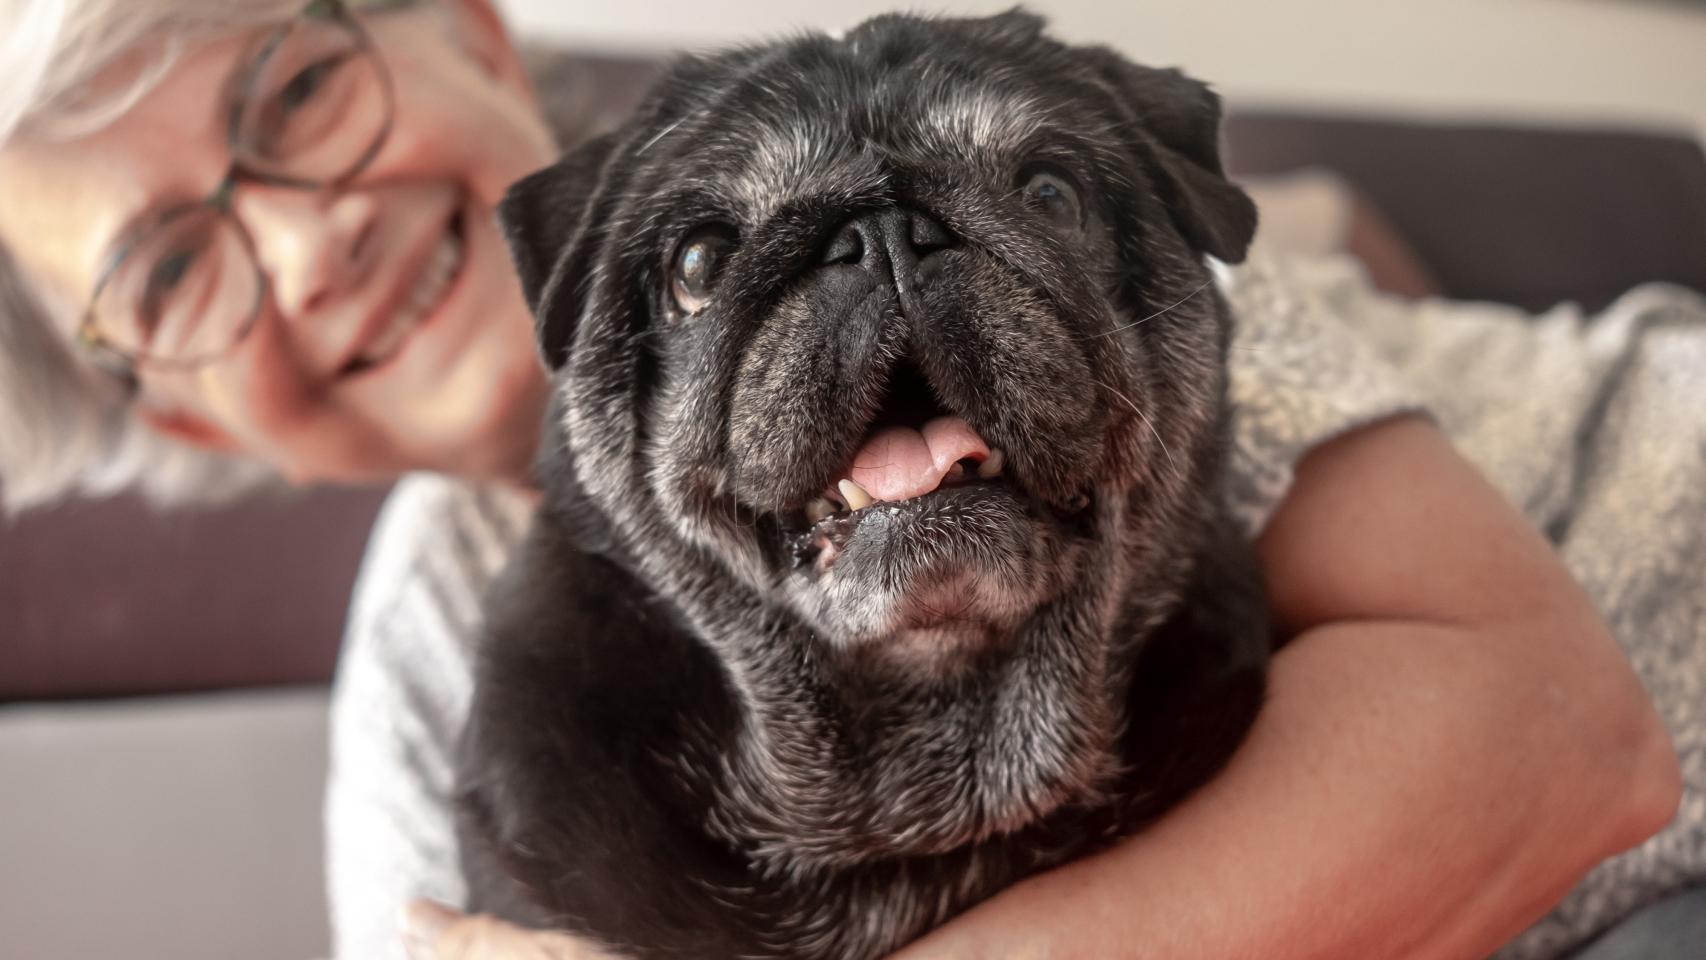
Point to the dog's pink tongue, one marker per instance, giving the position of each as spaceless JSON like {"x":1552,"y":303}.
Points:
{"x":899,"y":463}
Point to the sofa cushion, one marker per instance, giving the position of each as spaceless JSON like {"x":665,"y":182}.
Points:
{"x":1524,"y":215}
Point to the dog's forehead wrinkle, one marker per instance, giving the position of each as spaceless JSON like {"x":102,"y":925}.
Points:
{"x":978,"y":118}
{"x":786,"y":161}
{"x":787,"y":157}
{"x":786,"y":144}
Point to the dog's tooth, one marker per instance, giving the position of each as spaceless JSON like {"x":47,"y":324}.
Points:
{"x":991,"y":467}
{"x":956,"y":473}
{"x":818,"y":509}
{"x":855,"y":495}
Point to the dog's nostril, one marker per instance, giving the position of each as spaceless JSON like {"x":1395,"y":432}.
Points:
{"x":847,"y":246}
{"x":928,"y":235}
{"x":898,"y":232}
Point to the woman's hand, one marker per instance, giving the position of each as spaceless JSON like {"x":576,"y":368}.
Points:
{"x":1451,"y":740}
{"x":436,"y":932}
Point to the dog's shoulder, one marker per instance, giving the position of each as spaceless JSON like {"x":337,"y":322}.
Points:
{"x":1199,"y":679}
{"x":588,"y":696}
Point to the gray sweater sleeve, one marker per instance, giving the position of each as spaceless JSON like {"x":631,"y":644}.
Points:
{"x":398,"y":704}
{"x":1299,"y":375}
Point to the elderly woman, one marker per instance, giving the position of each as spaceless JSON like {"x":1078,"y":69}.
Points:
{"x":244,"y":239}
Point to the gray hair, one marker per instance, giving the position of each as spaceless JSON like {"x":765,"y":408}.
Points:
{"x":67,"y":427}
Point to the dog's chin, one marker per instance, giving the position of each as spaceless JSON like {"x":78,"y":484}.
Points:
{"x":938,"y":577}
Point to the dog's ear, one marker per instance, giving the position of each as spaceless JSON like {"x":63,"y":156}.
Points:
{"x":1181,"y":118}
{"x":546,"y":218}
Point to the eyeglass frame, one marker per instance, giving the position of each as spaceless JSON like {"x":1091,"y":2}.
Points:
{"x":125,"y":363}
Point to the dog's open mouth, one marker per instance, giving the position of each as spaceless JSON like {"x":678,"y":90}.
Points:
{"x":918,"y":465}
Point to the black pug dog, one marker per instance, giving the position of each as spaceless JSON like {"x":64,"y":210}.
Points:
{"x":729,"y":706}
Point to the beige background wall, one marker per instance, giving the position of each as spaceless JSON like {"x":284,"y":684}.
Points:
{"x":1624,"y":61}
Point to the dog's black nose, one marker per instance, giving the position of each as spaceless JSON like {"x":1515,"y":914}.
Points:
{"x":891,"y":240}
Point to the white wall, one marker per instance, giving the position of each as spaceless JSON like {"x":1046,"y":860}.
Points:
{"x":1626,"y":62}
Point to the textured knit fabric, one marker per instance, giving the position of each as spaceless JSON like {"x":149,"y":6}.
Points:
{"x":1595,"y":428}
{"x":402,"y":690}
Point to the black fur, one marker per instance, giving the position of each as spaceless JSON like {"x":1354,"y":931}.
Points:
{"x":706,"y":726}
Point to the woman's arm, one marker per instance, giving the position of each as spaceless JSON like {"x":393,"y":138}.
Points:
{"x":1452,"y":739}
{"x":404,"y":678}
{"x":390,"y":832}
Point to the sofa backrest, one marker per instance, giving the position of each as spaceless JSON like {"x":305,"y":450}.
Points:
{"x":100,"y":599}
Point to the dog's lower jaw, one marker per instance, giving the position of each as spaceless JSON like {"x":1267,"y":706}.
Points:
{"x":867,"y":611}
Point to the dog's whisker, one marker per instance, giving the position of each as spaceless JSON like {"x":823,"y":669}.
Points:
{"x":1164,"y":310}
{"x":751,"y":522}
{"x":1146,"y":422}
{"x":666,"y":131}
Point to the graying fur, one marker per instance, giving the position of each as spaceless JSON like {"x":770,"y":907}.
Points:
{"x":873,"y":730}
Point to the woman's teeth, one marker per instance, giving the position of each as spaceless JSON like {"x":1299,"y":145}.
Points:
{"x":433,"y":284}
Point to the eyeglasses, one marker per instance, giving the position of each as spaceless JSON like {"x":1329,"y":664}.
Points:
{"x":315,"y":105}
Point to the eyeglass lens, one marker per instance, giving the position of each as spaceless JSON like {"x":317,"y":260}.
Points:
{"x":315,"y":106}
{"x":185,"y":292}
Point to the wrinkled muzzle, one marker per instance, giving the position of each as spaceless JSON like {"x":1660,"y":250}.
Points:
{"x":923,"y":430}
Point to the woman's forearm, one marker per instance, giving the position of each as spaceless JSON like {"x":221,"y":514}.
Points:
{"x":1451,"y":740}
{"x":1409,"y":791}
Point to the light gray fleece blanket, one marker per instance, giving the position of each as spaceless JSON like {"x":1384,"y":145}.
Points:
{"x":1594,"y":425}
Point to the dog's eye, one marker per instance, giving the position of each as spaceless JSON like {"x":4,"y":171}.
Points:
{"x":698,"y":261}
{"x":1052,"y":194}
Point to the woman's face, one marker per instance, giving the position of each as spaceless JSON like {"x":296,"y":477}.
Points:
{"x":384,"y":344}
